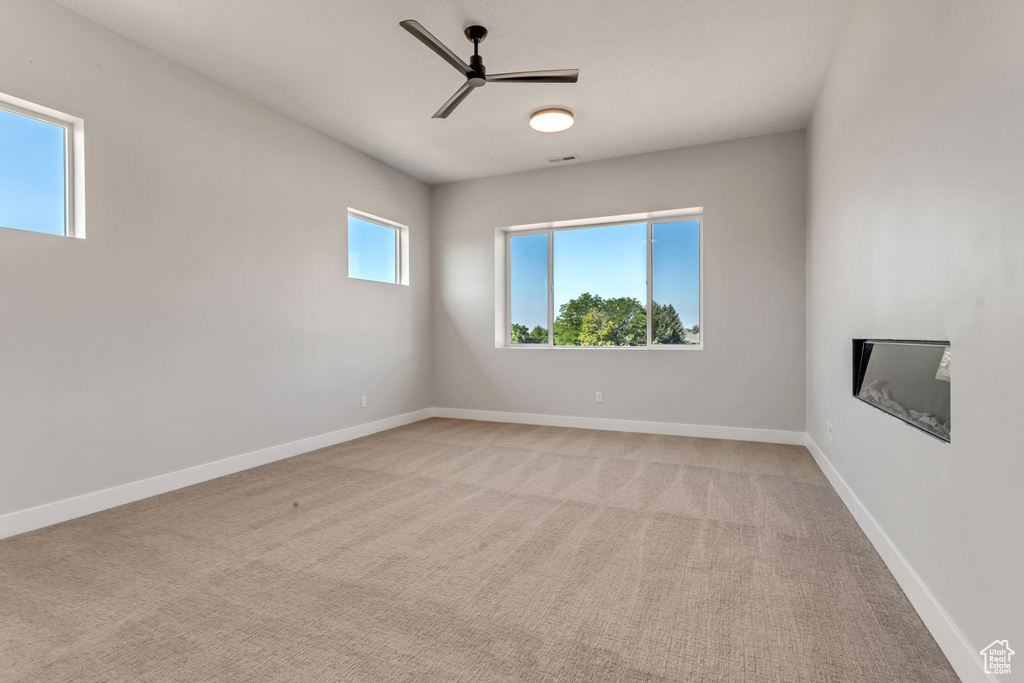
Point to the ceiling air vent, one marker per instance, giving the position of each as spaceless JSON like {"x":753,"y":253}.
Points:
{"x":567,"y":157}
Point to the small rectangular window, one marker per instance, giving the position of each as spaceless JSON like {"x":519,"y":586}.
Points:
{"x":618,"y":284}
{"x":376,"y":248}
{"x":38,"y":175}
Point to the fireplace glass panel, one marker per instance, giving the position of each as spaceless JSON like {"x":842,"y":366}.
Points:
{"x":909,"y":380}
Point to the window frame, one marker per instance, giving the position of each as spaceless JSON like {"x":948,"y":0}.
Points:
{"x":650,"y":220}
{"x":74,"y":161}
{"x":401,"y":246}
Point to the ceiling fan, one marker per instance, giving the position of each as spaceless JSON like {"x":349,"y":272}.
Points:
{"x":475,"y":73}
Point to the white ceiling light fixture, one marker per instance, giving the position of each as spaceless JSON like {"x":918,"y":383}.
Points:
{"x":551,"y":120}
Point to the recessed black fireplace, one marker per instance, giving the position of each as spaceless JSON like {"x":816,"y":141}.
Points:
{"x":906,"y":379}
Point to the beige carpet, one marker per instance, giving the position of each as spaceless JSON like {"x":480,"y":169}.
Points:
{"x":453,"y":550}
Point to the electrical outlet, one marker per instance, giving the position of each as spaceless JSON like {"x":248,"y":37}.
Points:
{"x":829,"y":425}
{"x":598,"y":397}
{"x":362,"y":404}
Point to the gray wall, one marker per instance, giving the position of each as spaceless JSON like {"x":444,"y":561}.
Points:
{"x":751,"y":371}
{"x":915,"y":232}
{"x":208,"y":313}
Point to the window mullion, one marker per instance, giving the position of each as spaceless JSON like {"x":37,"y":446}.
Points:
{"x":69,"y":183}
{"x":508,"y":289}
{"x":650,"y":283}
{"x":551,"y":287}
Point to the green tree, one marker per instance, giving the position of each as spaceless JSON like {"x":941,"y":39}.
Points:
{"x":595,"y":329}
{"x":589,"y":320}
{"x":665,"y":325}
{"x":519,"y":335}
{"x":626,"y":320}
{"x":695,"y":329}
{"x":570,"y":317}
{"x":538,"y":335}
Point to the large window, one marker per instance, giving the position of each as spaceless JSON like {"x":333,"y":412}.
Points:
{"x":628,"y":284}
{"x":376,"y":249}
{"x":37,"y":169}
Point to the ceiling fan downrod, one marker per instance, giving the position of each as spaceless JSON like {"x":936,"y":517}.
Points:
{"x":476,"y":35}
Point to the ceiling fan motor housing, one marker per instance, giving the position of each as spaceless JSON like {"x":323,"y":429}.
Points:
{"x":479,"y":75}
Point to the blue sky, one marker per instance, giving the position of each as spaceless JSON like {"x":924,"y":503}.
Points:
{"x":371,"y":251}
{"x":677,"y":268}
{"x":31,"y":174}
{"x":610,"y":262}
{"x":530,"y":280}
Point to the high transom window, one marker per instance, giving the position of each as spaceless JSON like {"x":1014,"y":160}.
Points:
{"x":377,"y":249}
{"x":38,"y":175}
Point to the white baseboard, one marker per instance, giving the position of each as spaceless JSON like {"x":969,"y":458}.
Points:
{"x":62,"y":510}
{"x":966,"y":663}
{"x":640,"y":426}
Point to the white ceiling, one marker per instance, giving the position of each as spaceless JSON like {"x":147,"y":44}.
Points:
{"x":654,"y":74}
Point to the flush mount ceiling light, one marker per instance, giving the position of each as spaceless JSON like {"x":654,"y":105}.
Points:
{"x":551,"y":120}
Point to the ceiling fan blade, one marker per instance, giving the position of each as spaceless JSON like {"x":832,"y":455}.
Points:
{"x":436,"y":45}
{"x":551,"y":76}
{"x":449,"y":106}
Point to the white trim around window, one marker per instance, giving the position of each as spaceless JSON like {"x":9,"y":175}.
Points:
{"x":74,"y":157}
{"x":401,"y":243}
{"x":503,"y":275}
